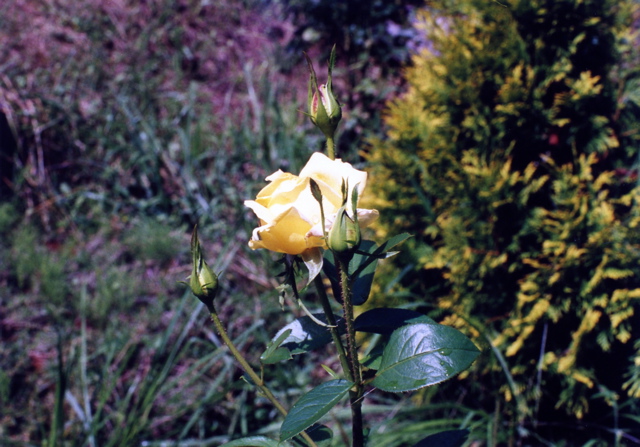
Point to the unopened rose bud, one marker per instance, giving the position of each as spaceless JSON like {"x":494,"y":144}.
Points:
{"x":324,"y":109}
{"x":344,"y":236}
{"x":325,"y":113}
{"x":203,"y":282}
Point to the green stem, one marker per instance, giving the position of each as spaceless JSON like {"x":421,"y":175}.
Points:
{"x":355,"y":398}
{"x":331,"y":148}
{"x":352,"y":354}
{"x":250,"y":371}
{"x":333,"y":327}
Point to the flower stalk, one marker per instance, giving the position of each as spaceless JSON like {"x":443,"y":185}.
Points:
{"x":355,"y":395}
{"x":331,"y":148}
{"x":257,"y":380}
{"x":204,"y":285}
{"x":343,"y":239}
{"x":333,"y":328}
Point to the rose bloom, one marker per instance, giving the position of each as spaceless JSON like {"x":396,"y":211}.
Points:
{"x":290,"y":219}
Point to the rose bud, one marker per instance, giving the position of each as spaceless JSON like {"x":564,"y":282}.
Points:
{"x":203,"y":282}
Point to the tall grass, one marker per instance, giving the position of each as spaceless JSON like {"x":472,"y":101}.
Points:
{"x":121,"y":154}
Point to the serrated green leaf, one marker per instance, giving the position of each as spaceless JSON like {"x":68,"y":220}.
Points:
{"x":255,"y":441}
{"x":312,"y":406}
{"x":419,"y":355}
{"x":279,"y":355}
{"x":384,"y":320}
{"x":275,"y":352}
{"x":449,"y":438}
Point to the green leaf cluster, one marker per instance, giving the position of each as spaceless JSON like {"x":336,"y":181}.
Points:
{"x":412,"y":351}
{"x":512,"y":159}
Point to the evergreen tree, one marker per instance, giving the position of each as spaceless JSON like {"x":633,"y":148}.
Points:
{"x":512,"y":159}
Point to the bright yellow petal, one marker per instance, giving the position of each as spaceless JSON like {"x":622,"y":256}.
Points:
{"x":274,"y":180}
{"x":292,"y":193}
{"x":280,"y":183}
{"x":285,"y":234}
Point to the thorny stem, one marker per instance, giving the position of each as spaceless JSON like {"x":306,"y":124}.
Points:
{"x":250,"y":371}
{"x":333,"y":328}
{"x":355,"y":395}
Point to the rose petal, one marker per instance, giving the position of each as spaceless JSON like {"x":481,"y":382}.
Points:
{"x":313,"y":259}
{"x":284,"y":234}
{"x":367,"y":217}
{"x":332,"y":172}
{"x":261,"y":211}
{"x":290,"y":219}
{"x":282,"y":192}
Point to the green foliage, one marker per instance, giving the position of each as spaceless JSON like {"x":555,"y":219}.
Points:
{"x":26,"y":255}
{"x":94,"y":345}
{"x":302,"y":335}
{"x":9,"y":216}
{"x":512,"y":161}
{"x":152,"y":240}
{"x":415,"y":351}
{"x":39,"y":266}
{"x":114,"y":288}
{"x":5,"y":384}
{"x":312,"y":406}
{"x":423,"y":354}
{"x":255,"y":441}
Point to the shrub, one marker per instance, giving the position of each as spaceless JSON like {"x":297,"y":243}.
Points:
{"x":512,"y":160}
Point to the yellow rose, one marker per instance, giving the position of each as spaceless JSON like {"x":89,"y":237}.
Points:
{"x":290,"y":219}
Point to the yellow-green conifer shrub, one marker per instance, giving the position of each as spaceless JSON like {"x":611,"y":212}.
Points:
{"x":513,"y":161}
